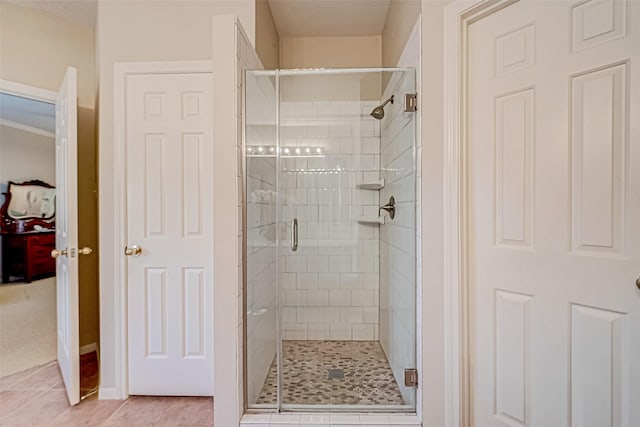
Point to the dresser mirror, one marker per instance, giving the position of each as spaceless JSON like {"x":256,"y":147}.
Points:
{"x":28,"y":206}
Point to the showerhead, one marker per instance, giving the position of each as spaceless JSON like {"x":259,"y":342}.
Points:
{"x":378,"y":112}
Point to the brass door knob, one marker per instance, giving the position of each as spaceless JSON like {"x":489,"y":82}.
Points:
{"x":85,"y":251}
{"x":56,"y":253}
{"x":134,"y":250}
{"x":638,"y":282}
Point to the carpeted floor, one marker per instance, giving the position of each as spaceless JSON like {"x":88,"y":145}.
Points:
{"x":27,"y":325}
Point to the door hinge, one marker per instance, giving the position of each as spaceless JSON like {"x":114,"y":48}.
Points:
{"x":410,"y":102}
{"x":411,"y":377}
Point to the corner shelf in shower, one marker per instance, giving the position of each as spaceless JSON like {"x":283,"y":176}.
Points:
{"x":371,"y":220}
{"x":372,"y":185}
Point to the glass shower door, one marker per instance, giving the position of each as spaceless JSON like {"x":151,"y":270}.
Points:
{"x":347,"y":283}
{"x":260,"y":266}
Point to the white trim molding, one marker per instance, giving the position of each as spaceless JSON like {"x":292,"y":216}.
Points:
{"x":29,"y":92}
{"x":89,"y":348}
{"x":26,"y":91}
{"x":458,"y":16}
{"x":26,"y":128}
{"x":113,"y":312}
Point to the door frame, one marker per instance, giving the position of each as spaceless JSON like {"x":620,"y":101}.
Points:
{"x":28,"y":91}
{"x":116,"y":320}
{"x":458,"y":17}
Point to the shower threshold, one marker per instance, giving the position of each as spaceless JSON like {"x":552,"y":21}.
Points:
{"x":336,"y":375}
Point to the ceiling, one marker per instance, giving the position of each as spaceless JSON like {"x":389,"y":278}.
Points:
{"x":323,"y":18}
{"x":79,"y":11}
{"x":27,"y":113}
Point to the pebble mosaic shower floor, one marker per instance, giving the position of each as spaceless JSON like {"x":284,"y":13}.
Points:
{"x":312,"y":374}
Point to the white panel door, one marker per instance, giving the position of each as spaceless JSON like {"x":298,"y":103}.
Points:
{"x":67,"y":235}
{"x":553,"y":183}
{"x":169,"y":216}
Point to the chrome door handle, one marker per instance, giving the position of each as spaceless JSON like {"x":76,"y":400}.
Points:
{"x":134,"y":250}
{"x":58,"y":253}
{"x":294,"y":234}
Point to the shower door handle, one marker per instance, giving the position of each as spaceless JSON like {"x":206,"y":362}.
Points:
{"x":294,"y":234}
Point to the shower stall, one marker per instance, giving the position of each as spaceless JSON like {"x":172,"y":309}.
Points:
{"x":330,"y":240}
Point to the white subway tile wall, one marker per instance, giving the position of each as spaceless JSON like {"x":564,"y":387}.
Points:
{"x":398,"y":236}
{"x":331,"y":281}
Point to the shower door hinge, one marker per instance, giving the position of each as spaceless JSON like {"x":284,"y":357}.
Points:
{"x":411,"y":377}
{"x":410,"y":102}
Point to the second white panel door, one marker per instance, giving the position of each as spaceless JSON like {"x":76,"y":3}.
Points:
{"x":554,"y":109}
{"x":169,"y":218}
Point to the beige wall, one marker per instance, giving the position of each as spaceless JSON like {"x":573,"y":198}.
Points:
{"x":25,"y":156}
{"x":400,"y":21}
{"x":171,"y":30}
{"x":35,"y":49}
{"x":267,"y":38}
{"x":134,"y":31}
{"x":330,"y":52}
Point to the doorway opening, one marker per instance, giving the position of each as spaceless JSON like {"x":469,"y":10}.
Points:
{"x":29,"y":294}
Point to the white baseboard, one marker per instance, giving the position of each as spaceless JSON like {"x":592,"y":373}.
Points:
{"x":110,"y":393}
{"x":88,"y":348}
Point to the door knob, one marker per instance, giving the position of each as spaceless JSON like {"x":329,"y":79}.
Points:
{"x":134,"y":250}
{"x":56,"y":253}
{"x":85,"y":251}
{"x":638,"y":282}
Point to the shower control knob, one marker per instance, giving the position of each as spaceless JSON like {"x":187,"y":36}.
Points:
{"x":389,"y":207}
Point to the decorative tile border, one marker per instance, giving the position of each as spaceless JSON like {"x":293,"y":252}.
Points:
{"x":333,"y":420}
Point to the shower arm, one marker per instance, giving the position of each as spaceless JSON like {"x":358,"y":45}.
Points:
{"x":387,"y":101}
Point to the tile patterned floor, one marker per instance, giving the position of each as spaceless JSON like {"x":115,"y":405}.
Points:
{"x":36,"y":398}
{"x":368,"y":379}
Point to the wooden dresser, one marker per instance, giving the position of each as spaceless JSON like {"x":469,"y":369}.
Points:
{"x":28,"y":255}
